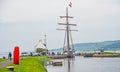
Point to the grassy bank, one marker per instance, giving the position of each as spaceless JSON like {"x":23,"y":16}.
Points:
{"x":118,"y":54}
{"x":1,"y":59}
{"x":29,"y":64}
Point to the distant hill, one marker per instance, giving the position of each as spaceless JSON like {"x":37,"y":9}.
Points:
{"x":115,"y":46}
{"x":106,"y":45}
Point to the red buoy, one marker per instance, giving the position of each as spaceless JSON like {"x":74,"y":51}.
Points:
{"x":16,"y":55}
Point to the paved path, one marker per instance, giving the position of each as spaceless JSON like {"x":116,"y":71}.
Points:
{"x":5,"y":63}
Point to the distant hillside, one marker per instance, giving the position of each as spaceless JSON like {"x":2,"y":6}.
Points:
{"x":115,"y":46}
{"x":106,"y":45}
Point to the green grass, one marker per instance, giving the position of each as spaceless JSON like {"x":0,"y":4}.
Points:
{"x":108,"y":53}
{"x":1,"y":59}
{"x":111,"y":53}
{"x":29,"y":64}
{"x":118,"y":54}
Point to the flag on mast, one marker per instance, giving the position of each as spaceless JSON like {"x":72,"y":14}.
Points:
{"x":70,"y":4}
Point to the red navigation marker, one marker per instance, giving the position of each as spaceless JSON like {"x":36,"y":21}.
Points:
{"x":16,"y":55}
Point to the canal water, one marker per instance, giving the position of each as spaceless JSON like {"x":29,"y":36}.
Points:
{"x":89,"y":64}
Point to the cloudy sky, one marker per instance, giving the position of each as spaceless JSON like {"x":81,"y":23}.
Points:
{"x":25,"y":22}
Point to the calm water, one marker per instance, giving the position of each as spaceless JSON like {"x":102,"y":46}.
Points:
{"x":81,"y":64}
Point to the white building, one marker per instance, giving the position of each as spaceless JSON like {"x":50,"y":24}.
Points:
{"x":40,"y":45}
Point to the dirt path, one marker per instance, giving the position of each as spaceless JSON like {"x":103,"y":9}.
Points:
{"x":5,"y":63}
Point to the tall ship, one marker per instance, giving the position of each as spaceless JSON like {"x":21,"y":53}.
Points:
{"x":68,"y":48}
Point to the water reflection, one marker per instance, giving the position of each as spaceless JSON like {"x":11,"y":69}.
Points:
{"x":81,"y":64}
{"x":70,"y":64}
{"x":67,"y":65}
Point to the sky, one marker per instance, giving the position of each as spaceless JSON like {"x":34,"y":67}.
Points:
{"x":25,"y":22}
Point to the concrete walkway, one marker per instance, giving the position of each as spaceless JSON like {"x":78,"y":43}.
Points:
{"x":5,"y":63}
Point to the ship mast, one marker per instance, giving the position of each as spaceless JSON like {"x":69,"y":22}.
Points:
{"x":67,"y":24}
